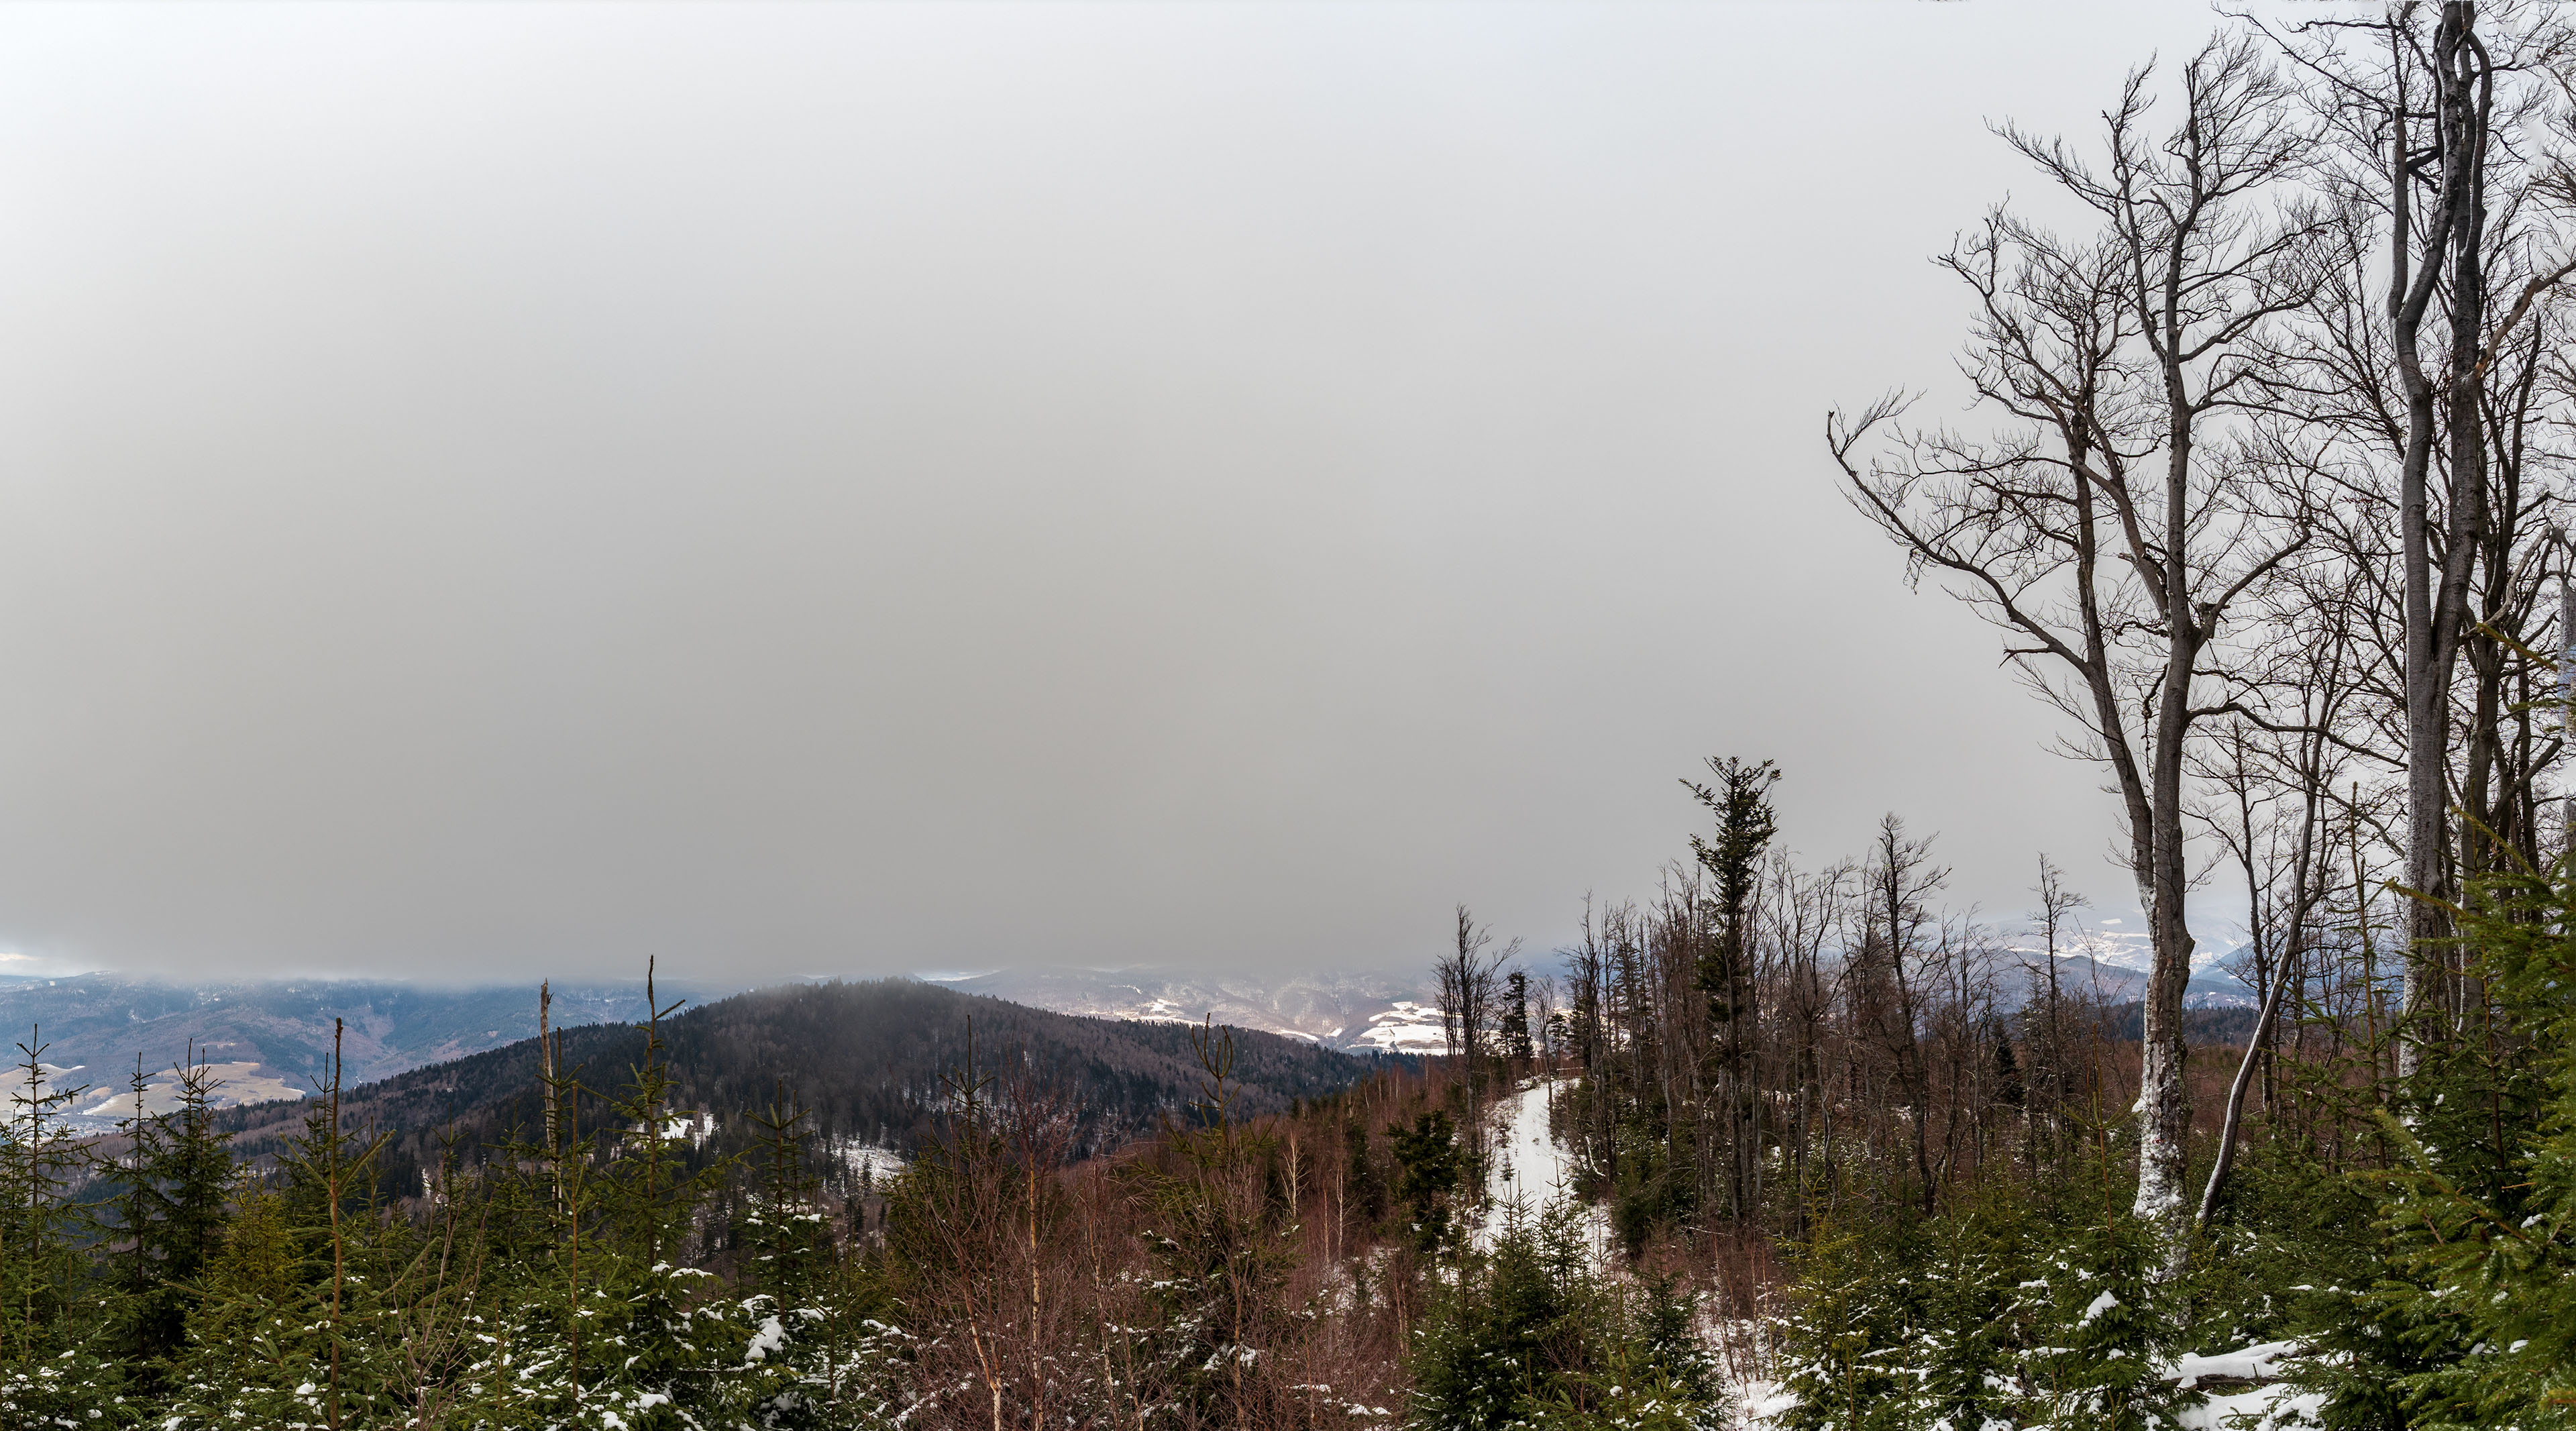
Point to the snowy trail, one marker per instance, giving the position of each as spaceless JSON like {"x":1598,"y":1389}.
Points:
{"x":1530,"y":1169}
{"x":1529,"y":1164}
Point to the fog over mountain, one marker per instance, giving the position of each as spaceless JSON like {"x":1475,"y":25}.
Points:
{"x":497,"y":491}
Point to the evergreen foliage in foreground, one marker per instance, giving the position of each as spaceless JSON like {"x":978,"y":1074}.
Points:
{"x":2435,"y":1291}
{"x":1332,"y":1269}
{"x":591,"y":1267}
{"x":554,"y":1289}
{"x":1535,"y":1333}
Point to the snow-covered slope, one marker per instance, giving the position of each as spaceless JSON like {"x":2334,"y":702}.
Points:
{"x":1355,"y":1011}
{"x":2113,"y":964}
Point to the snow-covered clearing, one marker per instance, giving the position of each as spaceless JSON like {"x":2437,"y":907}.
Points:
{"x":1404,"y":1026}
{"x":232,"y":1084}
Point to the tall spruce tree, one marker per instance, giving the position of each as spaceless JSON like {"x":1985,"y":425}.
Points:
{"x":175,"y":1187}
{"x":53,"y":1367}
{"x":1740,"y":799}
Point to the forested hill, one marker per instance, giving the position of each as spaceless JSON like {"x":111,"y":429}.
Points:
{"x":871,"y":1060}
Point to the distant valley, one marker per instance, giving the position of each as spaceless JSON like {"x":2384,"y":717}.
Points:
{"x":270,"y":1040}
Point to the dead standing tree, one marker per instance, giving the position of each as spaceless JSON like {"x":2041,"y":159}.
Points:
{"x":2054,"y":922}
{"x":1897,"y":886}
{"x":2108,"y":527}
{"x":1469,"y":977}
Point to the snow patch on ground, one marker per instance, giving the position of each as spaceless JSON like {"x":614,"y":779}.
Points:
{"x":2265,"y":1408}
{"x":1529,"y":1164}
{"x":697,"y":1127}
{"x":867,"y":1161}
{"x":1763,"y":1403}
{"x":2259,"y":1408}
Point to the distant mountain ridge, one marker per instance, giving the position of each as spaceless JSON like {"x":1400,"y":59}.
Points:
{"x":269,"y":1039}
{"x":1360,"y":1011}
{"x":2109,"y":974}
{"x":876,"y":1063}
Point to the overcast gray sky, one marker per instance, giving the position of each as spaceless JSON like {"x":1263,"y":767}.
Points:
{"x":490,"y":489}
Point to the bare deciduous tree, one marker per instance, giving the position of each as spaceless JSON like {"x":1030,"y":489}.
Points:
{"x":2111,"y":525}
{"x":1469,"y":979}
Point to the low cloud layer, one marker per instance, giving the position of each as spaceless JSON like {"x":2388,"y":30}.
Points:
{"x":498,"y":490}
